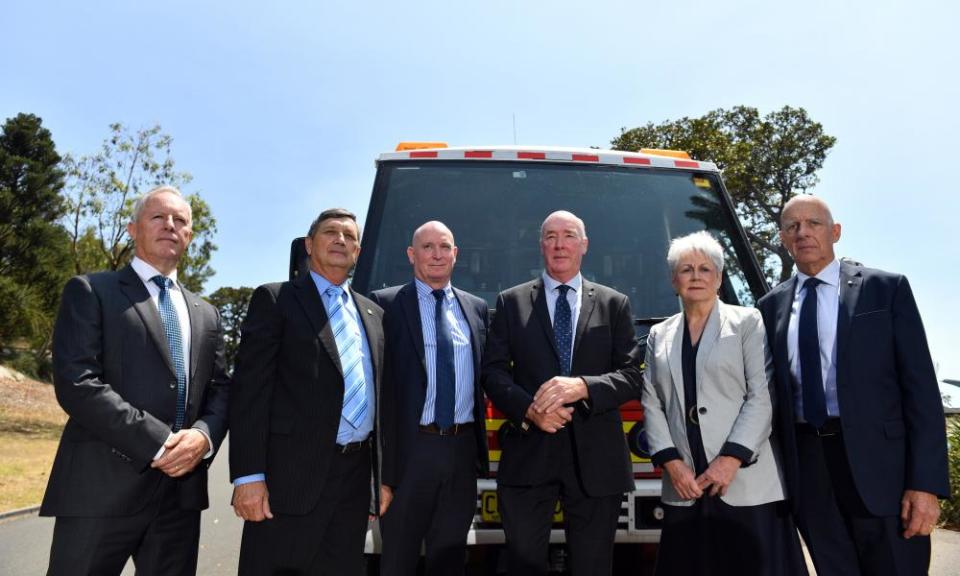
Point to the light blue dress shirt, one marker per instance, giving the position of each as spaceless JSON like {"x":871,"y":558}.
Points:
{"x":462,"y":353}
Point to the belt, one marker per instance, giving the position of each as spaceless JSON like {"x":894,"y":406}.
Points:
{"x":451,"y":431}
{"x":830,"y":428}
{"x":352,"y":446}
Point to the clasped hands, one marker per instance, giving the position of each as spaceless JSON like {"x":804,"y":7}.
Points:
{"x":549,"y":411}
{"x":182,"y":451}
{"x":717,"y":477}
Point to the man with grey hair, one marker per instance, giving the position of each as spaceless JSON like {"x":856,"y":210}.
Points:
{"x":859,"y":419}
{"x":139,"y":368}
{"x":561,"y":358}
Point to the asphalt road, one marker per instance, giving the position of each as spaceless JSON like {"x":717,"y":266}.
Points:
{"x":25,"y":541}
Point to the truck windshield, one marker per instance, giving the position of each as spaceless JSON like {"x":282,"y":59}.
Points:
{"x":495,"y":209}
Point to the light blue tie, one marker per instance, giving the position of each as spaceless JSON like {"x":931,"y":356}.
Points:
{"x":171,"y":327}
{"x":346,"y":333}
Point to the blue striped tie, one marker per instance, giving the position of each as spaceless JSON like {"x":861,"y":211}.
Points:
{"x":171,"y":327}
{"x":347,"y":336}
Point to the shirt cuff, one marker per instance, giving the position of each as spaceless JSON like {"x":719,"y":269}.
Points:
{"x":738,"y":451}
{"x":209,"y":442}
{"x":664,"y":456}
{"x":163,"y":448}
{"x":248,"y":479}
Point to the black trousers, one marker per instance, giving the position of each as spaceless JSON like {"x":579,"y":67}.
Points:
{"x":327,"y":541}
{"x":162,"y":539}
{"x":433,"y":505}
{"x":842,"y":536}
{"x":590,"y":522}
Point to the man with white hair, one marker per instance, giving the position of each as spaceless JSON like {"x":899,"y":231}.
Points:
{"x":859,"y":417}
{"x":561,"y":358}
{"x":139,"y":368}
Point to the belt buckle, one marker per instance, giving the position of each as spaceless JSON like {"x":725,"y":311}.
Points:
{"x":823,"y":434}
{"x":448,"y":432}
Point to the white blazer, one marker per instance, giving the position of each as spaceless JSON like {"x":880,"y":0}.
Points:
{"x":734,"y":371}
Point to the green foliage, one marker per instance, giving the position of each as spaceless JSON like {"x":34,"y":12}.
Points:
{"x":232,"y":304}
{"x":950,"y":509}
{"x":765,"y":161}
{"x":102,"y":189}
{"x":33,"y":259}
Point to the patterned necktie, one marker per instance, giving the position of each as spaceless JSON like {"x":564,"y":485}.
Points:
{"x":446,"y":375}
{"x":811,"y":377}
{"x":563,"y":329}
{"x":346,"y":333}
{"x":171,"y":327}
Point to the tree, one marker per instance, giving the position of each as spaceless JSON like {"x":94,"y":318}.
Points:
{"x":33,"y":261}
{"x":101,"y":191}
{"x":766,"y":161}
{"x":232,"y":304}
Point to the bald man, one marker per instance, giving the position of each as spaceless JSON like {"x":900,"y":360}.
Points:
{"x":434,"y":438}
{"x":560,"y":360}
{"x":859,"y":416}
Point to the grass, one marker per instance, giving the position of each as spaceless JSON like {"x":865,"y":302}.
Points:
{"x":30,"y":426}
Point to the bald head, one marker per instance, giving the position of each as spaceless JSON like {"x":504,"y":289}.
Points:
{"x":808,"y":232}
{"x":563,"y":217}
{"x":433,"y":254}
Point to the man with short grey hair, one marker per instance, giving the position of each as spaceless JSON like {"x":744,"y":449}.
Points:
{"x":139,"y":368}
{"x":561,"y":358}
{"x":859,"y":417}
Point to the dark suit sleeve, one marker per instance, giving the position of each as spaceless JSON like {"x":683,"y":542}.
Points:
{"x":608,"y":391}
{"x":388,"y":397}
{"x":78,"y":379}
{"x":922,"y":409}
{"x":498,"y":381}
{"x":253,"y":382}
{"x":213,"y":418}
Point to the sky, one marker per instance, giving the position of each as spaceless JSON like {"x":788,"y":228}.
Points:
{"x":279,"y":109}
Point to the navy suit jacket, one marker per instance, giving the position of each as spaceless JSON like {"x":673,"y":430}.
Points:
{"x":405,"y":374}
{"x":890,"y":406}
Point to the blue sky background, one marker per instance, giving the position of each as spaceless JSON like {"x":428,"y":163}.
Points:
{"x":279,"y":109}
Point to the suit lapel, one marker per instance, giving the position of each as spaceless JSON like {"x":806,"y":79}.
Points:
{"x":410,"y":303}
{"x":133,"y":288}
{"x":588,"y":302}
{"x":850,"y":283}
{"x":783,"y":304}
{"x":196,"y":330}
{"x":309,"y":298}
{"x":371,"y":327}
{"x":673,"y":340}
{"x":473,"y":320}
{"x":711,"y":333}
{"x":538,"y":300}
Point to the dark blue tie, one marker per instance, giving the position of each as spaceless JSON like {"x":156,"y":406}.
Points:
{"x":811,"y":378}
{"x":171,"y":327}
{"x":563,"y":329}
{"x":446,"y":375}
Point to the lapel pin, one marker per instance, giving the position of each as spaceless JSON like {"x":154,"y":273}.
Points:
{"x":369,"y":311}
{"x":849,"y":282}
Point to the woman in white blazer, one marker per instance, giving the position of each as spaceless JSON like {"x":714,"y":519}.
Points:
{"x":708,"y":411}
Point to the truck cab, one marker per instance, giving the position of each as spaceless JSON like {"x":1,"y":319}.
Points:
{"x":494,"y":199}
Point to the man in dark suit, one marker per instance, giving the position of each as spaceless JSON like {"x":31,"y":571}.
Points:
{"x":560,"y":360}
{"x":434,"y":439}
{"x":859,"y":416}
{"x":139,"y":369}
{"x":303,"y":413}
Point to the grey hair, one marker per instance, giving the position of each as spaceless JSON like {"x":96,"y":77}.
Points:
{"x":807,"y":198}
{"x":581,"y":228}
{"x":702,"y":242}
{"x":141,"y":202}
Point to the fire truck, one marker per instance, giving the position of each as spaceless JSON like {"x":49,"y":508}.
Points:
{"x":494,"y":199}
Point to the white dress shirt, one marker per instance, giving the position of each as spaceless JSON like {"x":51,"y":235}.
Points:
{"x":828,"y":309}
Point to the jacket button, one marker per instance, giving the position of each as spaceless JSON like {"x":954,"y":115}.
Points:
{"x":702,"y":410}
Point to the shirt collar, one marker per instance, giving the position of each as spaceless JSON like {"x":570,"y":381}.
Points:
{"x":829,"y":275}
{"x":322,"y":283}
{"x":146,"y":272}
{"x":551,"y":283}
{"x":423,"y":290}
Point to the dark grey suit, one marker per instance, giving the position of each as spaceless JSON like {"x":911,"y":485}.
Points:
{"x":114,"y":377}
